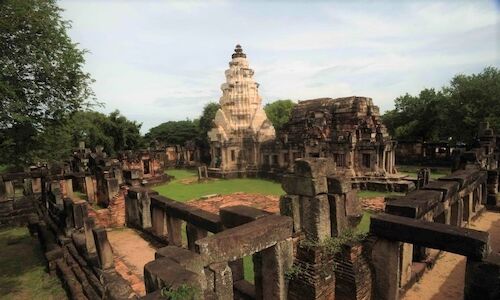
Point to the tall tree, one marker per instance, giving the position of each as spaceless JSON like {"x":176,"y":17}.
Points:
{"x":174,"y":132}
{"x":279,"y":112}
{"x":453,"y":113}
{"x":41,"y":77}
{"x":205,"y":124}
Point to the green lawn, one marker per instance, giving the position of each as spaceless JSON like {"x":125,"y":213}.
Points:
{"x":411,"y":171}
{"x":22,"y":268}
{"x":182,"y":191}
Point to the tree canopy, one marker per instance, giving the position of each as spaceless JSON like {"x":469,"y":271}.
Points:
{"x":42,"y":81}
{"x":279,"y":112}
{"x":174,"y":132}
{"x":452,"y":113}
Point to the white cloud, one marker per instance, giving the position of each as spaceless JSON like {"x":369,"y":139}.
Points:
{"x":159,"y":61}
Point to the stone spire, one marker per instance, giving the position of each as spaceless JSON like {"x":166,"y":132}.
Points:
{"x":240,"y":102}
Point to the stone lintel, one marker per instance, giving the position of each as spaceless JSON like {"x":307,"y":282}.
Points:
{"x":448,"y":188}
{"x":314,"y":167}
{"x":415,"y":204}
{"x":463,"y":177}
{"x":468,"y":242}
{"x":304,"y":186}
{"x":233,"y":216}
{"x":246,"y":239}
{"x":200,"y":218}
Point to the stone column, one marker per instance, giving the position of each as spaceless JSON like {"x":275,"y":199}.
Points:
{"x":219,"y":277}
{"x":385,"y":260}
{"x":456,"y":212}
{"x":9,"y":189}
{"x":159,"y":221}
{"x":406,"y":263}
{"x":88,"y":225}
{"x":103,"y":248}
{"x":272,"y":265}
{"x":174,"y":229}
{"x":193,"y":234}
{"x":90,"y":189}
{"x":36,"y":185}
{"x":468,"y":208}
{"x":69,"y":187}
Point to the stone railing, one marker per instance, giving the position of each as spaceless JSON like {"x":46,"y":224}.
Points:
{"x":431,"y":217}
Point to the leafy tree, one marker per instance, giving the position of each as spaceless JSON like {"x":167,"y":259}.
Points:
{"x":454,"y":112}
{"x":206,"y":121}
{"x":279,"y":112}
{"x":205,"y":124}
{"x":41,"y":76}
{"x":174,"y":132}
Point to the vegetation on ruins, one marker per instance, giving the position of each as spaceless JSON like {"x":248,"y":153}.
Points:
{"x":333,"y":245}
{"x":452,"y":113}
{"x":183,"y":292}
{"x":279,"y":112}
{"x":42,"y":81}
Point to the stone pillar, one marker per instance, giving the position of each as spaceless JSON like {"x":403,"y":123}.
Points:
{"x":406,"y":263}
{"x":220,"y":279}
{"x":273,"y":264}
{"x":193,"y":234}
{"x":69,"y":187}
{"x":88,"y":225}
{"x":386,"y":262}
{"x":90,"y":189}
{"x":132,"y":209}
{"x":159,"y":221}
{"x":9,"y":189}
{"x":456,"y":212}
{"x":468,"y":208}
{"x":290,"y":206}
{"x":68,"y":213}
{"x":36,"y":185}
{"x":315,"y":216}
{"x":174,"y":229}
{"x":79,"y":213}
{"x":482,"y":278}
{"x":103,"y":248}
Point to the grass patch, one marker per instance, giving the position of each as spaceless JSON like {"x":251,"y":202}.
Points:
{"x":3,"y":168}
{"x":179,"y":190}
{"x":80,"y":195}
{"x":248,"y":269}
{"x":22,"y":268}
{"x":436,"y":172}
{"x":364,"y":224}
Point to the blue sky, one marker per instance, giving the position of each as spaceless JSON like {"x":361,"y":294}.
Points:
{"x":158,"y":61}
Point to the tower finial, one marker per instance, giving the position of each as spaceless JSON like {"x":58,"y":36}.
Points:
{"x":238,"y":52}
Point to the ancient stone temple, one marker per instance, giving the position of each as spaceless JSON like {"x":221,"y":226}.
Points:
{"x":241,"y":125}
{"x":348,"y":130}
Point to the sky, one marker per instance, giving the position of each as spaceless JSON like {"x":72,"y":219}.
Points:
{"x":159,"y":61}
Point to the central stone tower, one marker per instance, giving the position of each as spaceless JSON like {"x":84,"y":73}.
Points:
{"x":241,"y":124}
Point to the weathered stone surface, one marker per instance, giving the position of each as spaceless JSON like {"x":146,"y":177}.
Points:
{"x":448,"y":188}
{"x":314,"y":167}
{"x":290,"y":206}
{"x":222,"y":279}
{"x":193,"y":234}
{"x":164,"y":272}
{"x":200,"y":218}
{"x":245,"y":239}
{"x":386,"y":261}
{"x":415,"y":204}
{"x":304,"y":186}
{"x":338,"y":214}
{"x":274,"y":262}
{"x":462,"y":177}
{"x":338,"y":185}
{"x":482,"y":278}
{"x":116,"y":288}
{"x":103,"y":248}
{"x":468,"y":242}
{"x":88,"y":225}
{"x":315,"y":217}
{"x":233,"y":216}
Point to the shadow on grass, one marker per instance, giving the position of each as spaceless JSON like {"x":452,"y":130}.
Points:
{"x":22,"y":268}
